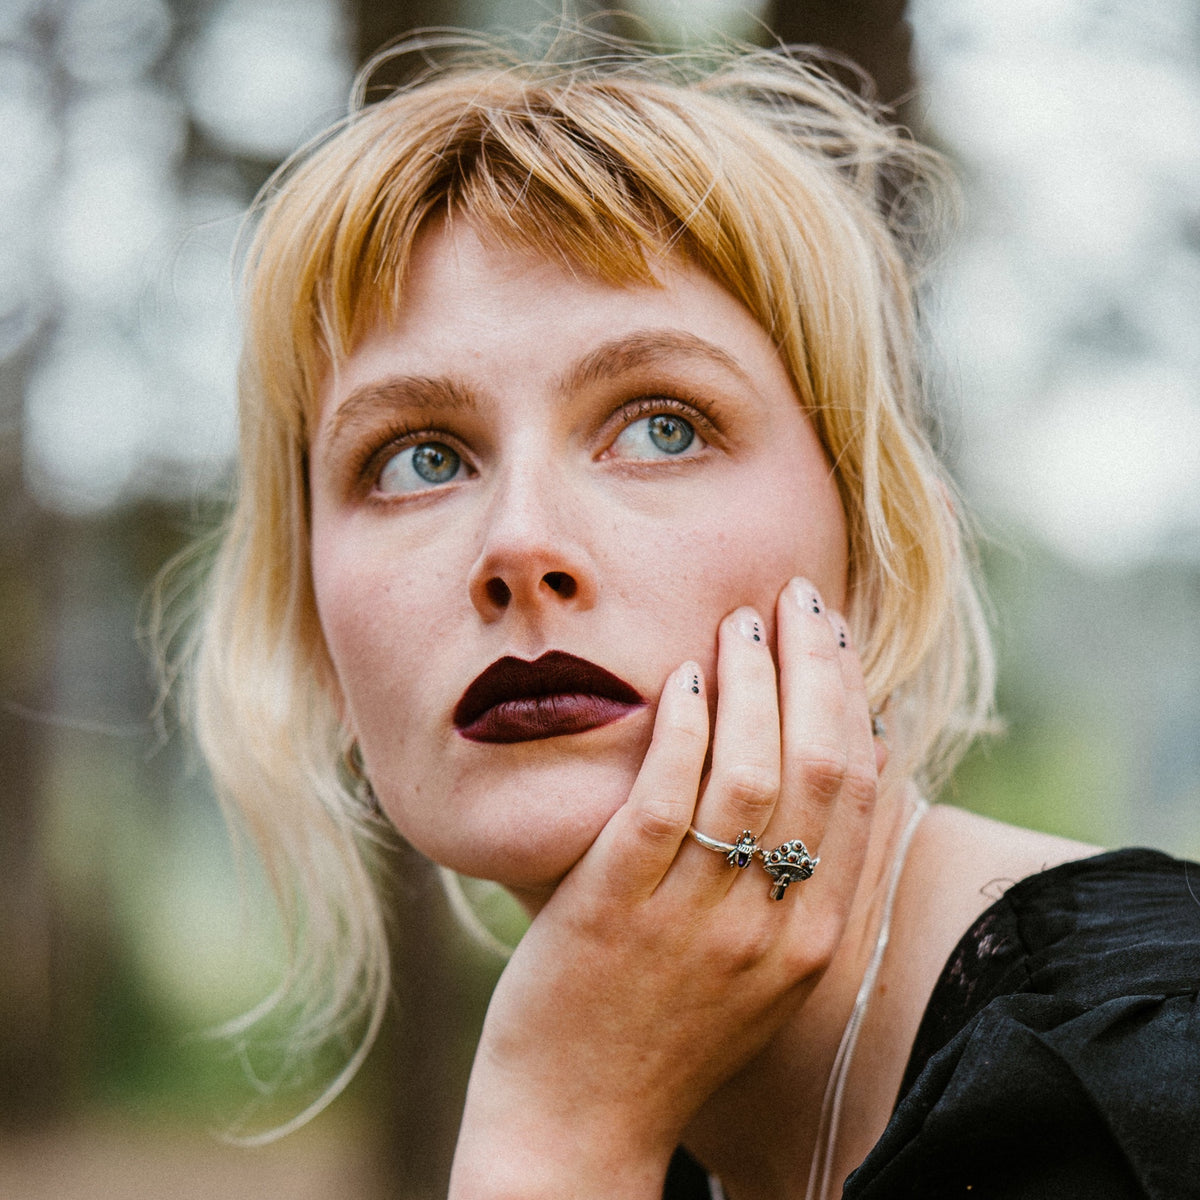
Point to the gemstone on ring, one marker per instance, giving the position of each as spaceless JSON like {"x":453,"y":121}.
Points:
{"x":787,"y":864}
{"x":744,"y":850}
{"x":737,"y":854}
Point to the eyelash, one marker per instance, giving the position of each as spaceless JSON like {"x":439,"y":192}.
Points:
{"x":370,"y":461}
{"x":368,"y":464}
{"x":650,"y":406}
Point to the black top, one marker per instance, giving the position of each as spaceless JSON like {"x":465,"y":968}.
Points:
{"x":1059,"y":1054}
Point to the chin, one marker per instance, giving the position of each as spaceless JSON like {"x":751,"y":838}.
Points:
{"x":524,"y":830}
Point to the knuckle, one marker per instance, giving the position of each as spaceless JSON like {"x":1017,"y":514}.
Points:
{"x":825,"y":652}
{"x":687,"y":733}
{"x":747,"y":949}
{"x":804,"y":957}
{"x":661,"y":824}
{"x":859,"y":788}
{"x":823,"y":770}
{"x":750,"y":785}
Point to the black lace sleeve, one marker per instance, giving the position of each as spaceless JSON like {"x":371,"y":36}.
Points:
{"x":1059,"y":1056}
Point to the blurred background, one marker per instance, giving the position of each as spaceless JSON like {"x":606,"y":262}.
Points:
{"x":133,"y":133}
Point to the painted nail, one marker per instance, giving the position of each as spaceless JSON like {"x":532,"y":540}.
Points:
{"x":807,"y":596}
{"x":689,"y":678}
{"x":748,"y":624}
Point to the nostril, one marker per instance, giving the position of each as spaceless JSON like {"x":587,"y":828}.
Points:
{"x":499,"y":593}
{"x":561,"y":583}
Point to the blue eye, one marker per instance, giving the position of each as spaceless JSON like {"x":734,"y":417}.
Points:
{"x":651,"y":437}
{"x":425,"y":465}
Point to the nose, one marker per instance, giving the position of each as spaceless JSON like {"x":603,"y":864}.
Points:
{"x":532,"y":558}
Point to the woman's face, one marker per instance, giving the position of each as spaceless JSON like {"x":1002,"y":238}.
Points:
{"x":529,"y":462}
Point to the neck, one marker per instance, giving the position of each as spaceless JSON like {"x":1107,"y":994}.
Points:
{"x":760,"y":1131}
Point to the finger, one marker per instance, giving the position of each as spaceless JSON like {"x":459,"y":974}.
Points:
{"x":743,"y":783}
{"x":844,"y":842}
{"x":882,"y":754}
{"x":813,"y":703}
{"x":638,"y":845}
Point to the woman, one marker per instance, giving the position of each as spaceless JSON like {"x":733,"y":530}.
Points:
{"x":586,"y":511}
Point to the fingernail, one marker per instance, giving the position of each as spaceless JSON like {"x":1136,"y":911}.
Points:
{"x":839,"y":627}
{"x":688,"y":678}
{"x":807,"y":596}
{"x":748,"y":624}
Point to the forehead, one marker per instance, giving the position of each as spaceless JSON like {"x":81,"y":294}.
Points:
{"x":474,"y":308}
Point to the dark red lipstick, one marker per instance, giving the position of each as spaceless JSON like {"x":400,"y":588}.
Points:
{"x":519,"y":701}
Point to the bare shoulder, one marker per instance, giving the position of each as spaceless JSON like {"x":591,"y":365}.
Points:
{"x":974,"y":852}
{"x":970,"y":846}
{"x":960,"y":863}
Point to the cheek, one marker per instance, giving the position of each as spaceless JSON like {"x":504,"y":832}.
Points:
{"x":373,"y":628}
{"x":767,"y":535}
{"x":336,"y":587}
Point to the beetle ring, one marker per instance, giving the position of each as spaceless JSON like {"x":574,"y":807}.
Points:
{"x":788,"y":864}
{"x":737,"y":854}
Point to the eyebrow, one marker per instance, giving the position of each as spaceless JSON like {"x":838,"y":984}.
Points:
{"x":365,"y":404}
{"x":640,"y":350}
{"x":620,"y":355}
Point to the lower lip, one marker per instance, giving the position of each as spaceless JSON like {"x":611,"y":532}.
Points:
{"x":535,"y":717}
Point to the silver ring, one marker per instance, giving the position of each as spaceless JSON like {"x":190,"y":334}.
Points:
{"x":737,"y":854}
{"x":878,"y":728}
{"x":787,"y":864}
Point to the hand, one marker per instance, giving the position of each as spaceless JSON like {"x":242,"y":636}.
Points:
{"x":656,"y":970}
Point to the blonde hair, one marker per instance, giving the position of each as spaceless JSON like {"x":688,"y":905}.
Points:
{"x":791,"y":192}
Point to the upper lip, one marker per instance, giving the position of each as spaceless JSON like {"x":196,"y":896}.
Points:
{"x":555,"y":673}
